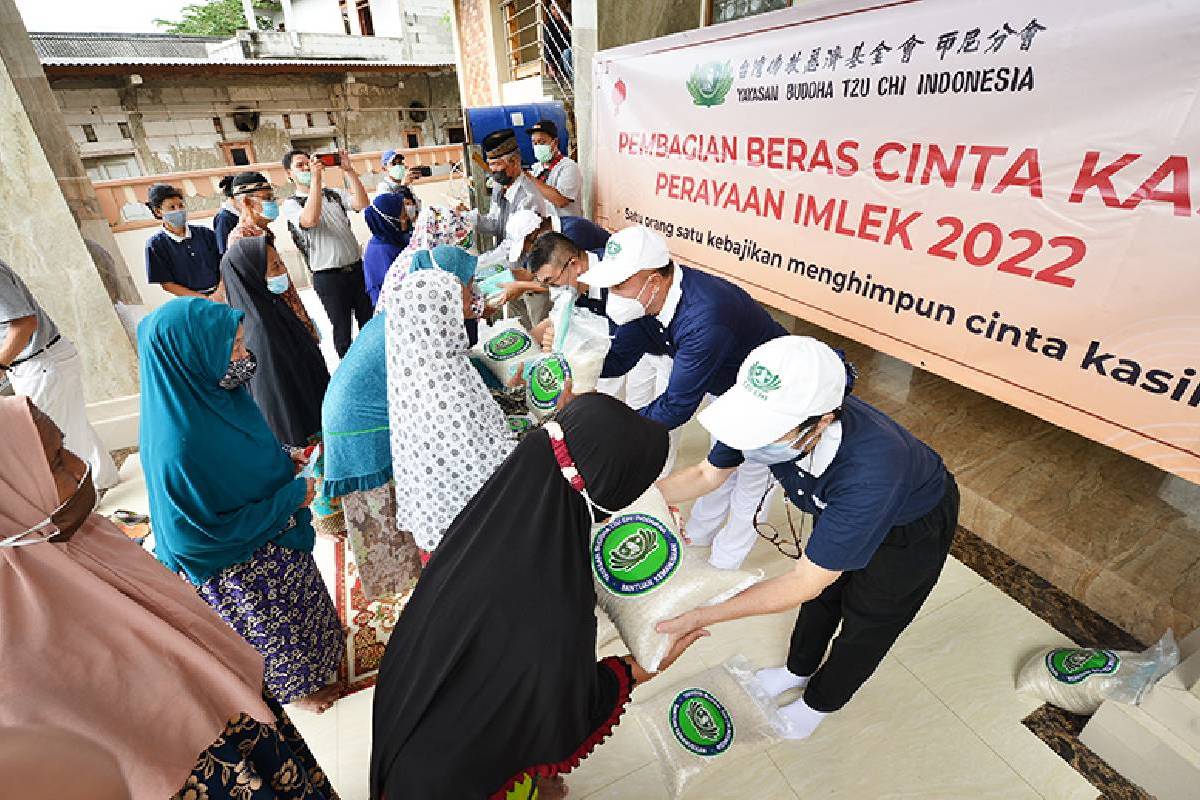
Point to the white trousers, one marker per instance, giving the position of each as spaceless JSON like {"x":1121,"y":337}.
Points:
{"x":642,"y":384}
{"x":54,"y":382}
{"x":732,"y":505}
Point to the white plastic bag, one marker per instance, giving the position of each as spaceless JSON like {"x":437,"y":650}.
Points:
{"x":1080,"y":679}
{"x":720,"y":715}
{"x":582,"y":336}
{"x":606,"y":632}
{"x":504,"y":347}
{"x":644,"y":575}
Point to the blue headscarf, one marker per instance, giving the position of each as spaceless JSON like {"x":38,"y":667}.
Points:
{"x":354,"y":416}
{"x":455,"y":260}
{"x":387,"y":240}
{"x":220,"y":485}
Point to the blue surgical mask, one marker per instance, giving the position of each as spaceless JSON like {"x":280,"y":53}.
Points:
{"x":543,"y":152}
{"x":278,"y":284}
{"x":269,"y":210}
{"x":776,"y":452}
{"x":176,"y":219}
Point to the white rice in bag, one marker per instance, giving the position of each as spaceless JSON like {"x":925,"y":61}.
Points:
{"x":1080,"y":679}
{"x":717,"y":716}
{"x":504,"y":347}
{"x":606,"y":632}
{"x":644,"y":575}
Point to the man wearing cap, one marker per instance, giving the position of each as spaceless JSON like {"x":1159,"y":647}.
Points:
{"x":886,"y":509}
{"x":398,"y":180}
{"x":557,"y":177}
{"x":512,"y":189}
{"x":707,"y":326}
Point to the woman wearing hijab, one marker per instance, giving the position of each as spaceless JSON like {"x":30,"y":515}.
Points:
{"x":488,"y":682}
{"x":291,"y":377}
{"x":448,"y":435}
{"x":253,"y":197}
{"x":391,"y":231}
{"x":435,"y":225}
{"x":173,"y":681}
{"x":229,"y":514}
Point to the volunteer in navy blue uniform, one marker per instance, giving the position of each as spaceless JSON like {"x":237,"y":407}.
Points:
{"x":885,"y":506}
{"x":183,"y":259}
{"x":706,"y":325}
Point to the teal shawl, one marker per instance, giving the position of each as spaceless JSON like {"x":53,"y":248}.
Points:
{"x":220,"y":485}
{"x":354,"y":417}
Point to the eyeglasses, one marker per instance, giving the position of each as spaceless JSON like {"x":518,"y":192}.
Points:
{"x":550,"y":281}
{"x":787,"y":547}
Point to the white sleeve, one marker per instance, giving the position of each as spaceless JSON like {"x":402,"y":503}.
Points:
{"x":569,"y":180}
{"x":292,"y":211}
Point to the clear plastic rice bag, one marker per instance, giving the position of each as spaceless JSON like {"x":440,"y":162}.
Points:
{"x":545,"y":379}
{"x":1080,"y":679}
{"x":606,"y":632}
{"x":644,"y":575}
{"x":582,"y":336}
{"x":717,"y":716}
{"x":503,"y":348}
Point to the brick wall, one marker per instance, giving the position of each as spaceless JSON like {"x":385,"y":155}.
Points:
{"x":476,"y":52}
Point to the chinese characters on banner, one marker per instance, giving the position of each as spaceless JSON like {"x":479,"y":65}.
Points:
{"x":1004,"y":194}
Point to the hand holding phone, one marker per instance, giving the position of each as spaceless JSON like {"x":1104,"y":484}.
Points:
{"x":329,"y":159}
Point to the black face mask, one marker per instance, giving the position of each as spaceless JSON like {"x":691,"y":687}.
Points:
{"x":239,"y":372}
{"x":503,"y":178}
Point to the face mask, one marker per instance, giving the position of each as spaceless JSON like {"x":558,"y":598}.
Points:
{"x":397,"y":172}
{"x":176,"y":219}
{"x":240,"y":371}
{"x":65,"y":520}
{"x":502,"y":178}
{"x":777,"y":452}
{"x":543,"y":152}
{"x":410,"y":211}
{"x":623,"y":310}
{"x":269,"y":210}
{"x":303,"y":178}
{"x":278,"y":284}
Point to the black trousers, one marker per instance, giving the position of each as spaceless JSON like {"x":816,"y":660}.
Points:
{"x":343,"y":293}
{"x":873,"y":605}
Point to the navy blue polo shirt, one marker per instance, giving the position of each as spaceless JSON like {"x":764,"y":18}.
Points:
{"x":194,"y":262}
{"x":586,"y":234}
{"x":881,"y":476}
{"x":224,"y":222}
{"x":713,"y":329}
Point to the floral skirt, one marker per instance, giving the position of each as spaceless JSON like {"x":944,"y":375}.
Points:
{"x":252,"y":761}
{"x":387,"y":558}
{"x":279,"y":604}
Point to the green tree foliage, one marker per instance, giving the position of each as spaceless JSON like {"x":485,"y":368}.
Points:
{"x":217,"y":18}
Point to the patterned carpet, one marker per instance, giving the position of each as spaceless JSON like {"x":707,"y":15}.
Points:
{"x":368,"y":623}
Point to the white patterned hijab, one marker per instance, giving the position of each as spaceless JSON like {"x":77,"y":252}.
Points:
{"x":448,"y":434}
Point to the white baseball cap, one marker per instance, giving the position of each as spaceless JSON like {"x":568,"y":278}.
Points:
{"x":780,"y":384}
{"x":521,"y":223}
{"x":628,"y":252}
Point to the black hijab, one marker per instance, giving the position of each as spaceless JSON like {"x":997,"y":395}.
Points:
{"x":291,"y":378}
{"x":491,"y":670}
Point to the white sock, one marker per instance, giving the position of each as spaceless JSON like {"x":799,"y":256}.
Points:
{"x":801,"y":720}
{"x":777,"y":680}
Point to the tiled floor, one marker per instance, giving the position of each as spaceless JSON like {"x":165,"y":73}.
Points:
{"x":940,"y":719}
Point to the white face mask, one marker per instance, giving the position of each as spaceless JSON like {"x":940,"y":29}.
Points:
{"x":623,"y":310}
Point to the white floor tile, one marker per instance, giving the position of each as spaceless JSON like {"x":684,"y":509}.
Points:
{"x":956,"y":580}
{"x":320,"y":732}
{"x":968,"y":653}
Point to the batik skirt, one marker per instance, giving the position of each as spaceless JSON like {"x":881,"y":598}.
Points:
{"x":253,"y":761}
{"x":387,"y":557}
{"x":279,"y":604}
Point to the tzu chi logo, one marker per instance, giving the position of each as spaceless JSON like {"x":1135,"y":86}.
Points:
{"x":509,"y":344}
{"x":701,"y":723}
{"x":709,"y":83}
{"x":1075,"y":666}
{"x":634,"y":554}
{"x":760,"y":381}
{"x":612,"y":248}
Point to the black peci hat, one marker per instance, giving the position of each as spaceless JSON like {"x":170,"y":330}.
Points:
{"x":500,"y":143}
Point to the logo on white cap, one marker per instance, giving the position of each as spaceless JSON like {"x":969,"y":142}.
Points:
{"x":760,"y":381}
{"x":612,"y":248}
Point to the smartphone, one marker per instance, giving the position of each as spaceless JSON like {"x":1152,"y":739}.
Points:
{"x":329,"y":159}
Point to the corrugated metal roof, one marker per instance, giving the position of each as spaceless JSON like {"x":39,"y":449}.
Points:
{"x":53,"y":46}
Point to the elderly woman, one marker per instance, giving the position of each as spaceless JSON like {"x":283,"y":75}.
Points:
{"x":229,"y":513}
{"x":490,"y":684}
{"x":447,"y":433}
{"x":140,"y":665}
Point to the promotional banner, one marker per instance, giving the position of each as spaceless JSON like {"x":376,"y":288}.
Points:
{"x":1000,"y":193}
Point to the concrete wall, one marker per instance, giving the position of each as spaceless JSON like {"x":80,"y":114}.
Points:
{"x":317,"y":16}
{"x":478,"y":64}
{"x":41,"y":242}
{"x":170,"y":125}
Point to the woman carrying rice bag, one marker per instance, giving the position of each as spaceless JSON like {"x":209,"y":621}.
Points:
{"x":886,"y":510}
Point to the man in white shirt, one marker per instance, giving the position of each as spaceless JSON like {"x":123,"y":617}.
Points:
{"x":557,"y":177}
{"x":512,"y":189}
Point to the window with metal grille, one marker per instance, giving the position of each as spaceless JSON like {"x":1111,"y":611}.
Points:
{"x":89,"y":133}
{"x":726,"y":10}
{"x":523,"y":25}
{"x":123,"y":127}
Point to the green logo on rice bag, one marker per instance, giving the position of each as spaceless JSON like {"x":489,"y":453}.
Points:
{"x":507,"y":344}
{"x":634,"y":554}
{"x":701,"y":723}
{"x":520,"y":424}
{"x":1075,"y":666}
{"x":546,"y":381}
